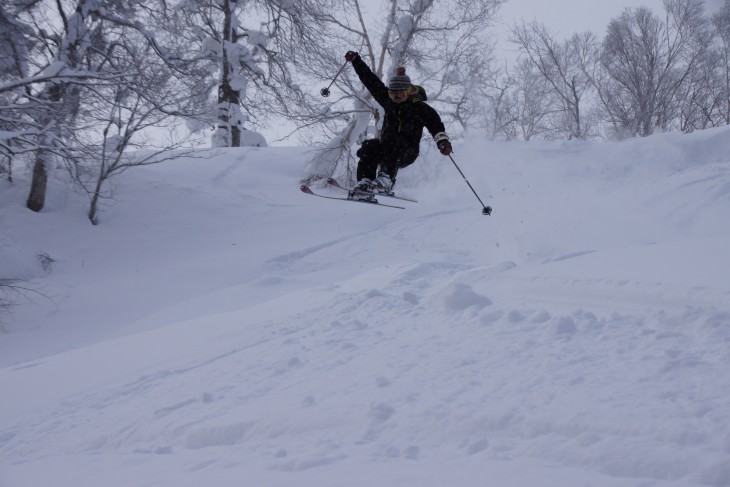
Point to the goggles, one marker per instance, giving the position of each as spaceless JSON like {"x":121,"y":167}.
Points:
{"x":398,"y":96}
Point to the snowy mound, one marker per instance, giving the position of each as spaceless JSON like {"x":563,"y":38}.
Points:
{"x":220,"y":327}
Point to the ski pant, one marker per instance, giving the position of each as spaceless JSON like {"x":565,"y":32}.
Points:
{"x":390,"y":158}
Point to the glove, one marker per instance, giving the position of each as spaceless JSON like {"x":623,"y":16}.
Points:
{"x":444,"y":146}
{"x":351,"y":56}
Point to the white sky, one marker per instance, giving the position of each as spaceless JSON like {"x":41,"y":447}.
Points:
{"x":564,"y":17}
{"x":567,"y":16}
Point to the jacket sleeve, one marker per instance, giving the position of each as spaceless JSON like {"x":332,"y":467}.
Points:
{"x":374,"y":85}
{"x":432,"y":120}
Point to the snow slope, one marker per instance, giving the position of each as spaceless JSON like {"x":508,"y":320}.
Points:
{"x":219,"y":327}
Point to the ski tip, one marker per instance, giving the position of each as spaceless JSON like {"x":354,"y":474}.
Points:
{"x":305,"y":189}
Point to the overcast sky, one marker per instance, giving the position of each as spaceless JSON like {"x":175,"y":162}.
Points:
{"x":578,"y":15}
{"x":568,"y":16}
{"x":564,"y":17}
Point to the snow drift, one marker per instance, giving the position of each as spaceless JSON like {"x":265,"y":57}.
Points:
{"x":221,"y":327}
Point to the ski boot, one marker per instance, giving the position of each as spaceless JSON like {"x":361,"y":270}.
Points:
{"x":383,"y":183}
{"x":363,"y":190}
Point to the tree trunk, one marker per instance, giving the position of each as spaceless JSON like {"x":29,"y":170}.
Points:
{"x":227,"y":96}
{"x":10,"y":168}
{"x":37,"y":196}
{"x":95,"y":198}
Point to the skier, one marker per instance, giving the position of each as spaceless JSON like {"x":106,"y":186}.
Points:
{"x":406,"y":114}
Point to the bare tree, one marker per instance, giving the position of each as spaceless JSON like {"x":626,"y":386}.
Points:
{"x":453,"y":50}
{"x":16,"y":288}
{"x":646,"y":61}
{"x":115,"y":135}
{"x":11,"y":292}
{"x":561,"y":64}
{"x":721,"y":24}
{"x":532,"y":101}
{"x":701,"y":99}
{"x":499,"y":107}
{"x":9,"y":289}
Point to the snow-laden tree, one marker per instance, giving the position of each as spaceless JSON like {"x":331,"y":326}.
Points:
{"x":15,"y":127}
{"x":646,"y":61}
{"x":47,"y":98}
{"x":248,"y":45}
{"x":74,"y":75}
{"x":67,"y":49}
{"x":82,"y":53}
{"x":443,"y":44}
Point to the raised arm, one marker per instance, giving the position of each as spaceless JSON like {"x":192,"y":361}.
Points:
{"x":373,"y":84}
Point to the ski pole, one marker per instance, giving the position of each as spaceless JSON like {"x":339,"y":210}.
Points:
{"x":486,"y":210}
{"x":326,"y":91}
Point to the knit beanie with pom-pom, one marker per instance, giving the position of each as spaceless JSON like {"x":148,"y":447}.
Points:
{"x":399,"y":81}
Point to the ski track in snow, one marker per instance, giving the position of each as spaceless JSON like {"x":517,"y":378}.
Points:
{"x":436,"y":347}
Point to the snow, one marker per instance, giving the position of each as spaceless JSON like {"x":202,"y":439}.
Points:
{"x":53,"y":69}
{"x":211,"y":46}
{"x":220,"y":327}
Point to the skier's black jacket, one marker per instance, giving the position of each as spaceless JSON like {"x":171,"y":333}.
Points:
{"x":403,"y":122}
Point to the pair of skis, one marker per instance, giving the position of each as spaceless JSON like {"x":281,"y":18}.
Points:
{"x":356,"y":195}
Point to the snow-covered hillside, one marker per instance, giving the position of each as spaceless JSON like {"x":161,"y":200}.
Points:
{"x":219,"y":327}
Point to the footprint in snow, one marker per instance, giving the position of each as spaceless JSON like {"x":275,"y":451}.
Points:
{"x":477,"y":446}
{"x":462,"y":296}
{"x":411,"y":298}
{"x":564,"y":326}
{"x":490,"y":317}
{"x":411,"y":452}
